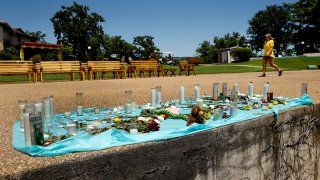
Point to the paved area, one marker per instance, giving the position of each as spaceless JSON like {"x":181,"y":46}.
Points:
{"x":106,"y":93}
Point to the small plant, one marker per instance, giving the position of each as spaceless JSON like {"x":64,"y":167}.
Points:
{"x":36,"y":58}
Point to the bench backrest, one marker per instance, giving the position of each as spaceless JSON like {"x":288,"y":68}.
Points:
{"x":105,"y":65}
{"x":145,"y":64}
{"x":60,"y":66}
{"x":183,"y":63}
{"x":16,"y":67}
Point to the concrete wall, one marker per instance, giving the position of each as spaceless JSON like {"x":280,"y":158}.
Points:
{"x":263,"y":148}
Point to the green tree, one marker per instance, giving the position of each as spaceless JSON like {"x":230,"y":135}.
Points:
{"x":275,"y":20}
{"x":144,"y":46}
{"x":76,"y":27}
{"x":117,"y":45}
{"x":306,"y":19}
{"x":210,"y":52}
{"x":207,"y":51}
{"x":41,"y":36}
{"x":229,"y":40}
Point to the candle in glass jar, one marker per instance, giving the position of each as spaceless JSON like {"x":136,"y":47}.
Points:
{"x":196,"y":91}
{"x":47,"y":109}
{"x":22,"y":104}
{"x":38,"y":107}
{"x":304,"y":89}
{"x":265,"y":90}
{"x":51,"y":105}
{"x":200,"y":103}
{"x":158,"y":90}
{"x":224,"y":89}
{"x":96,"y":110}
{"x":250,"y":89}
{"x":153,"y":97}
{"x":235,"y":87}
{"x":133,"y":131}
{"x":182,"y":100}
{"x":233,"y":109}
{"x":215,"y":91}
{"x":79,"y":111}
{"x":71,"y":129}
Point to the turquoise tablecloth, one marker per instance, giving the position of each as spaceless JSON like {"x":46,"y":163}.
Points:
{"x":170,"y":128}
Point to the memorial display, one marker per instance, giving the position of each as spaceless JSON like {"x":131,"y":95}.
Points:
{"x":43,"y":133}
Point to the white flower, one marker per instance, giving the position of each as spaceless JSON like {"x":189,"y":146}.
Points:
{"x":160,"y":118}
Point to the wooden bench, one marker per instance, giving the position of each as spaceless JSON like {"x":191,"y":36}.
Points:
{"x":184,"y":66}
{"x":61,"y":67}
{"x":115,"y":67}
{"x":9,"y":68}
{"x":144,"y":66}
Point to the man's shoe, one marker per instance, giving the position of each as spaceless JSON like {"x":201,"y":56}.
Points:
{"x":262,"y":75}
{"x":280,"y":72}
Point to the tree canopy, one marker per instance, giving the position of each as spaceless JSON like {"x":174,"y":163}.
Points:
{"x":306,"y":19}
{"x":41,"y":36}
{"x":145,"y":46}
{"x":275,"y":20}
{"x":76,"y":27}
{"x":209,"y":52}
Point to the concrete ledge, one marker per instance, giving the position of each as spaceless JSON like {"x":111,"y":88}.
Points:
{"x":262,"y":148}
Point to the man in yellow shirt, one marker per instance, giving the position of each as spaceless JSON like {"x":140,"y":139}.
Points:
{"x":268,"y":55}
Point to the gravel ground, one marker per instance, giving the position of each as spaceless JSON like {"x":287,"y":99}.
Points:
{"x":110,"y":93}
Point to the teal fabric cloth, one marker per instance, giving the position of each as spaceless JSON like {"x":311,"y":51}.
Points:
{"x":170,"y":128}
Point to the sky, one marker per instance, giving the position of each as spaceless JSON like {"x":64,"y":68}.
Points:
{"x":177,"y":26}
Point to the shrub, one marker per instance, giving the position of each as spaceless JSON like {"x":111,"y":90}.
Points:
{"x":242,"y":54}
{"x":36,"y":58}
{"x":7,"y":56}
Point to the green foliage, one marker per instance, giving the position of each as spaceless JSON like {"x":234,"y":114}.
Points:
{"x":210,"y":52}
{"x":275,"y":20}
{"x":229,"y":40}
{"x":36,"y":58}
{"x":242,"y":54}
{"x":76,"y":27}
{"x":144,"y":45}
{"x":7,"y":56}
{"x":39,"y":35}
{"x":9,"y":52}
{"x":117,"y":45}
{"x":306,"y":19}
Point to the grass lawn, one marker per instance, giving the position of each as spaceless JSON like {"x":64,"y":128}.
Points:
{"x":255,"y":65}
{"x":287,"y":64}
